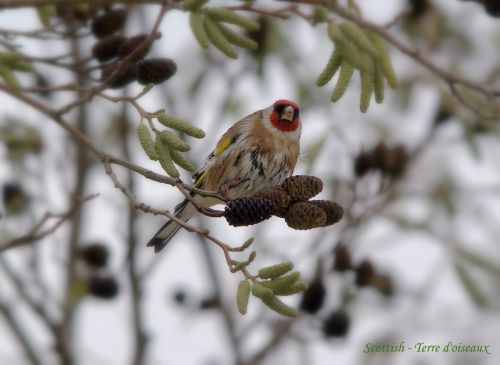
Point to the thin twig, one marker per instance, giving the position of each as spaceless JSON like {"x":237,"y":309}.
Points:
{"x":35,"y":234}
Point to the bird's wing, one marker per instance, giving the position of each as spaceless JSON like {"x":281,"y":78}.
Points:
{"x":227,"y":140}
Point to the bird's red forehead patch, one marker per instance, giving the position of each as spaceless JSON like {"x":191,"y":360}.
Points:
{"x":287,"y":102}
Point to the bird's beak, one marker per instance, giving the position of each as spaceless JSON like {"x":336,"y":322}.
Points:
{"x":287,"y":114}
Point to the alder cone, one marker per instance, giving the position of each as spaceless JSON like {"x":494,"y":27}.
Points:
{"x":249,"y":211}
{"x":107,"y":48}
{"x":302,"y":187}
{"x":129,"y":45}
{"x":103,"y":286}
{"x":127,"y":74}
{"x":109,"y":22}
{"x":333,"y":211}
{"x":155,"y":70}
{"x":303,"y":215}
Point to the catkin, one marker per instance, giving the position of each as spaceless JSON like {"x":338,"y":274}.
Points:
{"x":180,"y":160}
{"x":218,"y":39}
{"x":275,"y":271}
{"x":358,"y":37}
{"x":165,"y":159}
{"x":331,"y":67}
{"x":384,"y":60}
{"x":236,"y":38}
{"x":378,"y":84}
{"x":229,"y":16}
{"x":367,"y":82}
{"x":242,"y":296}
{"x":174,"y":142}
{"x":346,"y":71}
{"x":196,"y":24}
{"x":278,"y":306}
{"x":146,"y":142}
{"x":180,"y":125}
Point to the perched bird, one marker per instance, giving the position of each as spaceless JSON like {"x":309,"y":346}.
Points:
{"x":257,"y":152}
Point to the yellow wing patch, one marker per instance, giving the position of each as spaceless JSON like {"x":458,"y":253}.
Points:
{"x":200,"y":179}
{"x":223,"y":143}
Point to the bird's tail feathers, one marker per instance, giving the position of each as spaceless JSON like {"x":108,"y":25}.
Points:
{"x":184,"y":211}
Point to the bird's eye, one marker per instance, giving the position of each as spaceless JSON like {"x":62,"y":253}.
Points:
{"x":279,"y":108}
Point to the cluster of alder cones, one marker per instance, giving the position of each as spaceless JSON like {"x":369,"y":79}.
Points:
{"x":123,"y":58}
{"x":291,"y":201}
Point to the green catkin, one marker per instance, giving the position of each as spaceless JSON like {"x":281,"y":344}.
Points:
{"x":384,"y":60}
{"x":367,"y":83}
{"x":9,"y":77}
{"x":229,"y":16}
{"x":147,"y":142}
{"x":180,"y":160}
{"x":333,"y":31}
{"x":218,"y":39}
{"x":282,"y":282}
{"x":280,"y":307}
{"x":194,"y":5}
{"x":242,"y":296}
{"x":236,"y":38}
{"x":358,"y":37}
{"x":260,"y":291}
{"x":378,"y":84}
{"x":247,"y":243}
{"x":295,"y":288}
{"x":15,"y":62}
{"x":180,"y":125}
{"x":174,"y":142}
{"x":349,"y":51}
{"x":165,"y":159}
{"x":196,"y":24}
{"x":346,"y":71}
{"x":331,"y":67}
{"x":45,"y":13}
{"x":275,"y":271}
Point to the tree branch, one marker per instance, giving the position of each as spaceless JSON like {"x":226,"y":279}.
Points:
{"x":37,"y":234}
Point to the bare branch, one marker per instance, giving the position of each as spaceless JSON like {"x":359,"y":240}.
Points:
{"x":37,"y":234}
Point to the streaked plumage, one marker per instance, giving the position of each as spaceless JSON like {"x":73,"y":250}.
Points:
{"x":257,"y":152}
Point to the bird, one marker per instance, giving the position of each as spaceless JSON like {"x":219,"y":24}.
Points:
{"x":257,"y":152}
